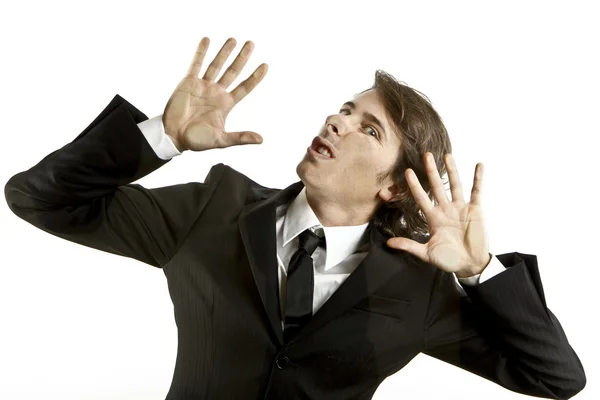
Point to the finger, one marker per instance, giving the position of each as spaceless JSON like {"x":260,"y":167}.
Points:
{"x":215,"y":66}
{"x":477,"y":184}
{"x":410,"y":246}
{"x":455,"y":183}
{"x":238,"y":64}
{"x":249,"y":84}
{"x":435,"y":181}
{"x":417,"y":191}
{"x":241,"y":137}
{"x":194,"y":69}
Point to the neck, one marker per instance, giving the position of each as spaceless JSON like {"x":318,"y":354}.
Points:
{"x":336,"y":213}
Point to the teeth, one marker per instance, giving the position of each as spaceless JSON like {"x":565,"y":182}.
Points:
{"x":324,"y":151}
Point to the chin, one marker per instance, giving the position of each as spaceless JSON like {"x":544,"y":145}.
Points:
{"x":301,"y":170}
{"x":308,"y":179}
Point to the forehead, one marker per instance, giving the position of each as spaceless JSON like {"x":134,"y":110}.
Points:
{"x":369,"y":102}
{"x":369,"y":97}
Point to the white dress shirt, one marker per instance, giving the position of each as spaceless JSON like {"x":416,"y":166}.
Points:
{"x":346,"y":246}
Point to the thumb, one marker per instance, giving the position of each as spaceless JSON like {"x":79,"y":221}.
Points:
{"x":410,"y":246}
{"x":242,"y":137}
{"x":397,"y":243}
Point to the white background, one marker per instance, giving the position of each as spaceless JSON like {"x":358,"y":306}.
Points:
{"x":516,"y":84}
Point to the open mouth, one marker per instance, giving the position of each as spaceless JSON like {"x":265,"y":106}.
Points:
{"x":318,"y":155}
{"x":322,"y":148}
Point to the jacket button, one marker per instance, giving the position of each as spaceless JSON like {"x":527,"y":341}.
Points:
{"x":282,"y":362}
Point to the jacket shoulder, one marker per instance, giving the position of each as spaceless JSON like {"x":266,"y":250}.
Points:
{"x":239,"y":187}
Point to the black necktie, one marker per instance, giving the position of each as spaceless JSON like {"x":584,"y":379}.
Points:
{"x":300,"y":284}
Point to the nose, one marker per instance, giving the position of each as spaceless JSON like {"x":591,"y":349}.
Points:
{"x":332,"y":129}
{"x":334,"y":126}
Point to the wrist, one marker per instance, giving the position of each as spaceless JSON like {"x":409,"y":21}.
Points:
{"x":469,"y":272}
{"x":466,"y":274}
{"x":178,"y":145}
{"x":169,"y":132}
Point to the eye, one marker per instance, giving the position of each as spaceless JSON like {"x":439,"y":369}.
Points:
{"x":368,"y":126}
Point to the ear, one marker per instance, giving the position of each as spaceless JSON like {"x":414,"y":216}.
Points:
{"x":390,"y":193}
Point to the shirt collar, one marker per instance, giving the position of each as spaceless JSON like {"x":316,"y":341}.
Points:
{"x":342,"y":241}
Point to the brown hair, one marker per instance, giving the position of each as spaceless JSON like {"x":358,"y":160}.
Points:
{"x":420,"y":130}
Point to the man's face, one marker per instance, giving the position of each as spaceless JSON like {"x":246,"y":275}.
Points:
{"x":362,"y":150}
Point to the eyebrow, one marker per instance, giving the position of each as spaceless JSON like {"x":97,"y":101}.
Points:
{"x":368,"y":116}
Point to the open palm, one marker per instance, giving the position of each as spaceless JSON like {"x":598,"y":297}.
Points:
{"x":196,"y":112}
{"x":458,"y":240}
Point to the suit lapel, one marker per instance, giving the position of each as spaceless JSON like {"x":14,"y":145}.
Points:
{"x":257,"y":228}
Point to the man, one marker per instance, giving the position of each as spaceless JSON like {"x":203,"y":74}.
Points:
{"x":320,"y":290}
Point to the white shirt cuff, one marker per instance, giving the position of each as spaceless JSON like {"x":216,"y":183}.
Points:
{"x":154,"y":132}
{"x":492,"y":269}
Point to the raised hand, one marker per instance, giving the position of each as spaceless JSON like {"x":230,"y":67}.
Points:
{"x":458,"y":241}
{"x":194,"y":116}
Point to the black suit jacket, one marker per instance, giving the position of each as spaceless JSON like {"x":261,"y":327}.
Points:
{"x":215,"y":241}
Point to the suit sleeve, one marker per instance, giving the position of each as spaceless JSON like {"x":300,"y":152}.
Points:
{"x":502,"y":330}
{"x":83,"y":193}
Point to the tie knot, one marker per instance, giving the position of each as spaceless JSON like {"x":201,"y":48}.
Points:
{"x":309,"y":241}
